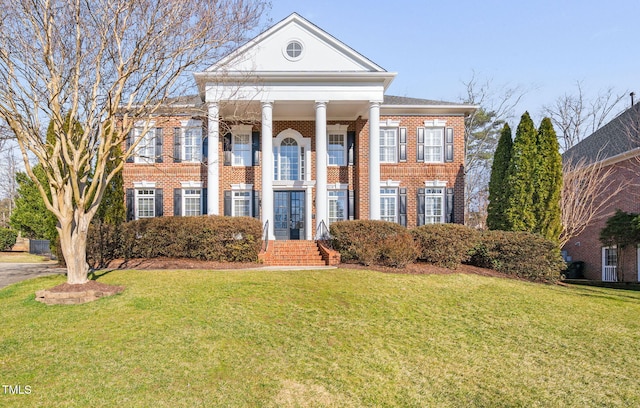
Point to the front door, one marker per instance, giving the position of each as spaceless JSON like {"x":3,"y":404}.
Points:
{"x":289,"y":214}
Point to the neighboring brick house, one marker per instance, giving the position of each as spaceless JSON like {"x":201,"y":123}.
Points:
{"x":614,"y":147}
{"x":294,"y":128}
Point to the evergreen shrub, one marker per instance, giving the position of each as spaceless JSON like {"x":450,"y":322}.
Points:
{"x":445,"y":245}
{"x":526,"y":255}
{"x":373,"y":242}
{"x":7,"y":238}
{"x":209,"y":238}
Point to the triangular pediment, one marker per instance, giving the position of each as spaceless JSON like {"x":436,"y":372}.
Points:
{"x":295,"y":45}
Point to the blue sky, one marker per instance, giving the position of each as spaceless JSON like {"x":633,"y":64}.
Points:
{"x":542,"y":46}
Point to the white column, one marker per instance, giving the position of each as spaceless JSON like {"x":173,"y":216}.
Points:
{"x":213,"y":173}
{"x":374,"y":160}
{"x":267,"y":166}
{"x":321,"y":164}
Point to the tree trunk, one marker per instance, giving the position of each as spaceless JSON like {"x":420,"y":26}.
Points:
{"x":73,"y":245}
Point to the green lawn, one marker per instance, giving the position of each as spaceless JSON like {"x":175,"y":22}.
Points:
{"x":337,"y":338}
{"x":21,"y":257}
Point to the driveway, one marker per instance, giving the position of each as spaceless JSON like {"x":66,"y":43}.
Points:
{"x":16,"y":272}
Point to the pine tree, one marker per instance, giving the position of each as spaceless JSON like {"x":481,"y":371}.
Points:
{"x":548,"y":183}
{"x":520,"y":179}
{"x":498,"y":194}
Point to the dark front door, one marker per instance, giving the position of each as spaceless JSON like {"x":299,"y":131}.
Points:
{"x":289,"y":214}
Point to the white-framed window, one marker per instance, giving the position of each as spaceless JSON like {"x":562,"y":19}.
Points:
{"x":192,"y":143}
{"x":145,"y":203}
{"x":146,"y":149}
{"x":191,"y":202}
{"x":241,"y":148}
{"x":388,"y":144}
{"x":337,"y":149}
{"x":434,"y":205}
{"x":433,"y":145}
{"x":288,"y":160}
{"x":337,"y":205}
{"x":241,"y":204}
{"x":389,"y":204}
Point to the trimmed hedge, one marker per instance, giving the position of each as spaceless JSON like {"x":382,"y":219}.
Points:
{"x":210,"y":238}
{"x":526,"y":255}
{"x":445,"y":245}
{"x":7,"y":238}
{"x":373,"y":242}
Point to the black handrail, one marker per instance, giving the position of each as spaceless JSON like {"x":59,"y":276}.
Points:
{"x":265,"y":236}
{"x":322,"y":233}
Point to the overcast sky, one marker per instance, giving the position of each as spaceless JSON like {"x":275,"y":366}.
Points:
{"x":434,"y":46}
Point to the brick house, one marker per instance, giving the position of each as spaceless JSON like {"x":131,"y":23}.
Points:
{"x":294,"y":128}
{"x":613,"y":147}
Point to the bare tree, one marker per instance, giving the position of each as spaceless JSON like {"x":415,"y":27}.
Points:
{"x":496,"y":105}
{"x":576,"y":116}
{"x":105,"y":64}
{"x":8,"y":184}
{"x":588,"y":191}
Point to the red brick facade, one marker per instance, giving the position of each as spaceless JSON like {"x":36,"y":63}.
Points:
{"x":587,"y":246}
{"x":411,"y":174}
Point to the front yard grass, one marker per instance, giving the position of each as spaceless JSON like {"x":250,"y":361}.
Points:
{"x":22,"y":257}
{"x":338,"y":338}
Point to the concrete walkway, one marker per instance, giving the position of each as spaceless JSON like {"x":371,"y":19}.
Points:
{"x":16,"y":272}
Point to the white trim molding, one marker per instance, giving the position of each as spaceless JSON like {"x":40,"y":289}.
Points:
{"x":144,"y":184}
{"x":435,"y":123}
{"x":191,"y":184}
{"x":389,"y":184}
{"x":435,"y":183}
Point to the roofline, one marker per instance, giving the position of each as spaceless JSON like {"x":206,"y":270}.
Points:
{"x":429,"y":109}
{"x":287,"y":76}
{"x":305,"y":24}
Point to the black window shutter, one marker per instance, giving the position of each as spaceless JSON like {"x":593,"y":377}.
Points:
{"x":204,"y":199}
{"x":448,"y":145}
{"x":420,"y":152}
{"x":351,"y":147}
{"x":159,"y":203}
{"x":205,"y":149}
{"x":227,"y":203}
{"x":449,"y":214}
{"x":421,"y":204}
{"x":352,"y":205}
{"x":131,"y":205}
{"x":158,"y":145}
{"x":177,"y":145}
{"x":255,"y":148}
{"x":128,"y":142}
{"x":177,"y":202}
{"x":256,"y":204}
{"x":227,"y":149}
{"x":402,"y":210}
{"x":402,"y":145}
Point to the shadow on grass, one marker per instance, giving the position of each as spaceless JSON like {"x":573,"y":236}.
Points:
{"x":597,"y":292}
{"x":95,"y":275}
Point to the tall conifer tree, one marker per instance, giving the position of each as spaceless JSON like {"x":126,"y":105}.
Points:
{"x":520,"y":180}
{"x":548,"y":183}
{"x":498,"y":191}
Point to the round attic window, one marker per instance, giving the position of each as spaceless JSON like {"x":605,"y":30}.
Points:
{"x":293,"y":50}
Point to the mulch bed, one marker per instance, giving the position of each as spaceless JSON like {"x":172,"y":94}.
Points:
{"x":90,"y":285}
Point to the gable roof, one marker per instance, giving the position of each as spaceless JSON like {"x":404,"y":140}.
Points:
{"x":618,"y":137}
{"x":322,"y":51}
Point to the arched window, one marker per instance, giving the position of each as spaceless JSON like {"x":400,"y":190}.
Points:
{"x":288,"y":160}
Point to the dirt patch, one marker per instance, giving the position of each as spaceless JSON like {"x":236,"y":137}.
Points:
{"x":67,"y":294}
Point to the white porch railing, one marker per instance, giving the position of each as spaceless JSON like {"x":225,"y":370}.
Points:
{"x":609,"y":274}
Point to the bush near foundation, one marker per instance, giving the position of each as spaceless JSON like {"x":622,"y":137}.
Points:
{"x":7,"y":238}
{"x":526,"y":255}
{"x":373,"y":242}
{"x":445,"y":245}
{"x":210,"y":238}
